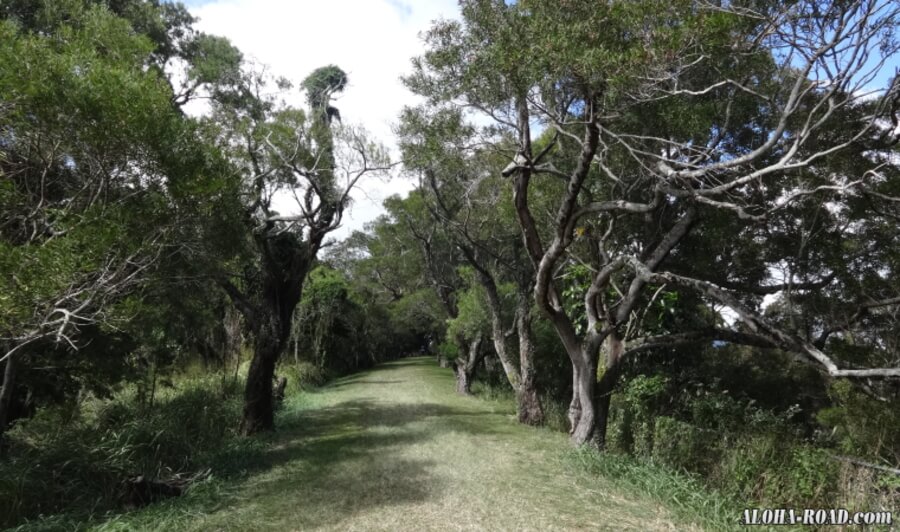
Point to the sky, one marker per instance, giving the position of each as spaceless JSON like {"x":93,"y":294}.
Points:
{"x":372,"y":40}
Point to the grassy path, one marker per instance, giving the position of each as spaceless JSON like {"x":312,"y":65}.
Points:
{"x":396,"y":449}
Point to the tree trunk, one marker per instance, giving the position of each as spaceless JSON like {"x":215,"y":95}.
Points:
{"x":499,"y":340}
{"x":463,"y":379}
{"x":607,"y":384}
{"x":232,"y":341}
{"x":465,"y":367}
{"x":280,"y":389}
{"x":258,"y":401}
{"x":528,"y":402}
{"x":529,"y":409}
{"x":574,"y":413}
{"x":584,"y":429}
{"x":285,"y":263}
{"x":497,"y":334}
{"x":6,"y":393}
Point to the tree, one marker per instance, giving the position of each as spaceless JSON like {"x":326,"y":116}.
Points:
{"x":677,"y":129}
{"x":281,"y":152}
{"x":463,"y":196}
{"x":98,"y":170}
{"x":441,"y":267}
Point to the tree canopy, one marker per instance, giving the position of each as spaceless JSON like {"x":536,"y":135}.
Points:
{"x":648,"y":222}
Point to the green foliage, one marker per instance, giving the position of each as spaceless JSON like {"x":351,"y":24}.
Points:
{"x":212,"y":59}
{"x":338,"y":331}
{"x":473,"y":318}
{"x":448,"y":350}
{"x":735,"y":446}
{"x":686,"y":494}
{"x":100,"y":170}
{"x":682,"y":446}
{"x":303,"y":375}
{"x":320,"y":86}
{"x":74,"y":458}
{"x":811,"y":475}
{"x":322,"y":83}
{"x":100,"y":174}
{"x":645,"y":392}
{"x":863,"y":427}
{"x":577,"y":279}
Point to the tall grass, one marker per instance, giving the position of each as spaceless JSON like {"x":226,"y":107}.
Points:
{"x":686,"y":495}
{"x":74,"y":460}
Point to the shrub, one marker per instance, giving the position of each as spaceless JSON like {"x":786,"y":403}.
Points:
{"x":303,"y":375}
{"x":448,"y":350}
{"x":810,"y":478}
{"x":685,"y":447}
{"x":862,"y":426}
{"x":62,"y":462}
{"x":747,"y":466}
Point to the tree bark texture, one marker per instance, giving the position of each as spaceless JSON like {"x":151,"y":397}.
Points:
{"x":529,"y":409}
{"x":607,"y":384}
{"x":465,"y":366}
{"x":583,"y":416}
{"x":258,"y":400}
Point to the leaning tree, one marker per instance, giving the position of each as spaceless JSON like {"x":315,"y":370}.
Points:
{"x":734,"y":153}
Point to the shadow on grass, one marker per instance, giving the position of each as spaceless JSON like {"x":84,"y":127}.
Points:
{"x":358,"y":381}
{"x":339,"y":461}
{"x":325,"y":465}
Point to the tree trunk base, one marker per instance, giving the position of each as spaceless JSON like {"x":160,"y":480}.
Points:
{"x":463,"y":381}
{"x":529,"y":408}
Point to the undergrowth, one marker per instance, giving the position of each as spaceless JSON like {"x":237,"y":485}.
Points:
{"x":686,"y":495}
{"x":73,"y":461}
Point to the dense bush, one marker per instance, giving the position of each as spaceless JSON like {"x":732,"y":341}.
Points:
{"x":339,"y":329}
{"x":74,"y":459}
{"x":751,"y":452}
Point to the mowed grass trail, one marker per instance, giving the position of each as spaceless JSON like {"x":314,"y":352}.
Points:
{"x":395,"y":448}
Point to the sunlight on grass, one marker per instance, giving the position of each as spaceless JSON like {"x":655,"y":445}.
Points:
{"x":396,"y":449}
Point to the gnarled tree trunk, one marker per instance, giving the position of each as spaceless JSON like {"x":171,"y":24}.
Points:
{"x":258,"y":401}
{"x":521,"y":378}
{"x":582,"y":411}
{"x":589,"y":409}
{"x":285,"y":263}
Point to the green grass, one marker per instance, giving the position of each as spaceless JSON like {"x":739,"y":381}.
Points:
{"x":685,"y":495}
{"x":396,"y":449}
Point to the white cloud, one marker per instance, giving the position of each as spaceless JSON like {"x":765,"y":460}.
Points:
{"x":372,"y":40}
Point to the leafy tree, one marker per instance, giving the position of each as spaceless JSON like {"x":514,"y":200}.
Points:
{"x":461,"y":194}
{"x":678,"y":129}
{"x":99,"y":173}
